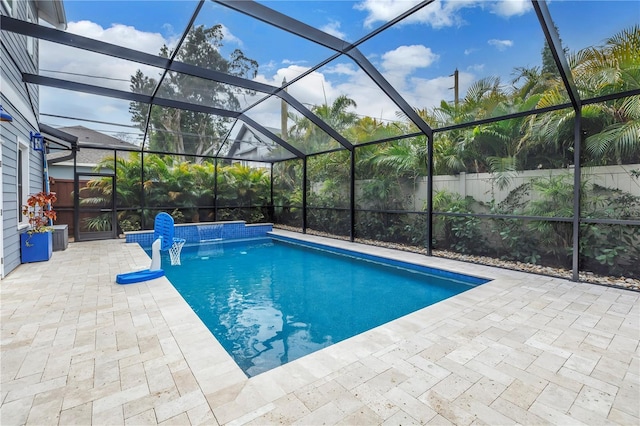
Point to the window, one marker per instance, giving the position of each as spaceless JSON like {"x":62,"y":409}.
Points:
{"x":9,"y":5}
{"x":23,"y":180}
{"x":31,"y":41}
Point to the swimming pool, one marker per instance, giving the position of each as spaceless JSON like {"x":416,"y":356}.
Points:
{"x":271,"y":301}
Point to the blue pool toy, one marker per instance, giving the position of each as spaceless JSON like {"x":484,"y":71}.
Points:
{"x":154,"y":270}
{"x":163,"y":239}
{"x":163,"y":229}
{"x":139,"y":276}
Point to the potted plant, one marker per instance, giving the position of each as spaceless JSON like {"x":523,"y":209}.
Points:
{"x":36,"y":244}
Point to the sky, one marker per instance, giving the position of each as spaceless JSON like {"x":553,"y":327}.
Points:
{"x":479,"y":38}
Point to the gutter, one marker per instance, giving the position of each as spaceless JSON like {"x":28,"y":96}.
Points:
{"x":62,"y":139}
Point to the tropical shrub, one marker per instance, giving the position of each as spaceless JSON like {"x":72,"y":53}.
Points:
{"x":184,"y":189}
{"x":457,"y":232}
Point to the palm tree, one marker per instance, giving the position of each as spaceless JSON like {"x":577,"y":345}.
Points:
{"x":611,"y":130}
{"x":251,"y":184}
{"x":529,"y":81}
{"x":310,"y":138}
{"x":370,"y":129}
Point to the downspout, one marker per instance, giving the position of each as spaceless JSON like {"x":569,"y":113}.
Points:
{"x":47,"y":185}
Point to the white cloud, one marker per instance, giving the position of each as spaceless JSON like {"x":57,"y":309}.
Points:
{"x":341,"y":68}
{"x":383,"y":10}
{"x":168,"y":28}
{"x":398,"y":66}
{"x":408,"y":58}
{"x":121,"y":35}
{"x":289,"y":73}
{"x":476,"y":67}
{"x":469,"y":51}
{"x":370,"y":100}
{"x":436,"y":14}
{"x":291,"y":62}
{"x":399,"y":63}
{"x":333,"y":28}
{"x":508,"y":8}
{"x":427,"y":93}
{"x":309,"y":91}
{"x":500,"y":44}
{"x":439,"y":14}
{"x":316,"y":89}
{"x":269,"y":65}
{"x":85,"y":106}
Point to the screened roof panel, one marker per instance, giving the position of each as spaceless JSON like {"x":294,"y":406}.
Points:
{"x":82,"y":66}
{"x":269,"y":113}
{"x":104,"y":114}
{"x":199,"y":133}
{"x":489,"y":44}
{"x":342,"y":94}
{"x":583,"y":27}
{"x":301,"y":132}
{"x":580,"y":23}
{"x":248,"y":143}
{"x":277,"y":53}
{"x":205,"y":92}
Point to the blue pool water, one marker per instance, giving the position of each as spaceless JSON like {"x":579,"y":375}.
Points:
{"x":269,"y":302}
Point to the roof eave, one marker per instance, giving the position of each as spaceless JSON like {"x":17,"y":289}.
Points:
{"x":52,"y":11}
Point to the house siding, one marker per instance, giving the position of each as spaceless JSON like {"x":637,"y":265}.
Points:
{"x":15,"y":95}
{"x":12,"y":134}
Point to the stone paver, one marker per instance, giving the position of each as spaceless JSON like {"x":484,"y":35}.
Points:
{"x":76,"y":348}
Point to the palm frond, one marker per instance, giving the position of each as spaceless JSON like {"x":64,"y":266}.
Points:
{"x":504,"y":170}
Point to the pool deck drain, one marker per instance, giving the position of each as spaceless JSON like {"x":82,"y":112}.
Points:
{"x":76,"y":348}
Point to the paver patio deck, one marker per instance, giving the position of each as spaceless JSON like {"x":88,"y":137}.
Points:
{"x":76,"y":348}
